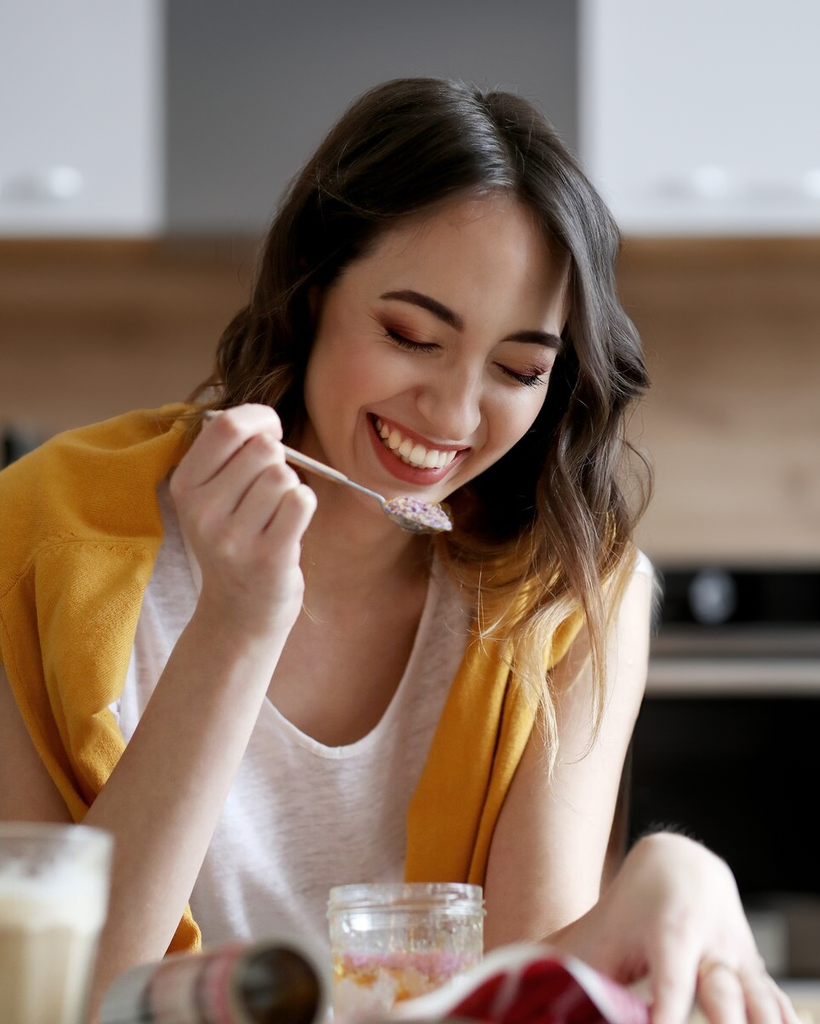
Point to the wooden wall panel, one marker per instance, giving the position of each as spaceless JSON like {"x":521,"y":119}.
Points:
{"x":732,"y":334}
{"x":92,"y":328}
{"x":731,"y":329}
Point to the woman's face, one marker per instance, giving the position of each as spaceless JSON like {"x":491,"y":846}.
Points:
{"x":432,"y":352}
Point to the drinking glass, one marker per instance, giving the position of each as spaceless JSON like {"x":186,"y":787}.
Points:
{"x":54,"y":882}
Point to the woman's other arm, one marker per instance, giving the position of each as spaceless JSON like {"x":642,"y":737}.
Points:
{"x":673,"y":920}
{"x":671,"y":917}
{"x":547,"y":855}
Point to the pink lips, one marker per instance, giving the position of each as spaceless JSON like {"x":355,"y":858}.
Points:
{"x":401,"y":470}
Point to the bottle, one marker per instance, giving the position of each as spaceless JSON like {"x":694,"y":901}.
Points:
{"x":277,"y":981}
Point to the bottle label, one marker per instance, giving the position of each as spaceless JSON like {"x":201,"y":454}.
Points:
{"x":210,"y":987}
{"x":182,"y":989}
{"x":217,"y":987}
{"x":196,"y":989}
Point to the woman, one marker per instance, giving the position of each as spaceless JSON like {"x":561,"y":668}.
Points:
{"x":310,"y":695}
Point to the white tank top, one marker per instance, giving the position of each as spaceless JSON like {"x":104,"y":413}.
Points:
{"x":300,"y":816}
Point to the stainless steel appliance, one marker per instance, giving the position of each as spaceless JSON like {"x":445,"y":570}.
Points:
{"x":726,"y":745}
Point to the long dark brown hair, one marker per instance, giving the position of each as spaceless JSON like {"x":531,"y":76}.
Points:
{"x":548,"y":529}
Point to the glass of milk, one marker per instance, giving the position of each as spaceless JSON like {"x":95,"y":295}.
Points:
{"x":54,"y":883}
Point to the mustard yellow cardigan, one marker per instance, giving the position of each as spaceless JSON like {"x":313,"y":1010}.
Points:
{"x":79,"y":532}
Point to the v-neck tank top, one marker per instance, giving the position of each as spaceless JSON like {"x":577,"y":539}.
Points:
{"x":300,"y":816}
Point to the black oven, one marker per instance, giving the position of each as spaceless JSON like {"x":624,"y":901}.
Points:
{"x":727,"y":744}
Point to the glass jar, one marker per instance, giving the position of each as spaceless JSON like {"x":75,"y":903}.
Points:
{"x":391,"y":942}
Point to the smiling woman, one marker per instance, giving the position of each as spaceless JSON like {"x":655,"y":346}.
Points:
{"x":433,"y":332}
{"x":225,"y":666}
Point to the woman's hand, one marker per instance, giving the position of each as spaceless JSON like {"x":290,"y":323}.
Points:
{"x":243,"y":511}
{"x":672,"y":919}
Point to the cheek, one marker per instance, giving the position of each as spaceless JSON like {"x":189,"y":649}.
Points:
{"x":326,"y":370}
{"x":341,"y":379}
{"x":371,"y":373}
{"x":515,"y":417}
{"x":311,"y":388}
{"x":321,"y":399}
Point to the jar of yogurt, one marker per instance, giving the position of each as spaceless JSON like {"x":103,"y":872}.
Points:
{"x":395,"y":941}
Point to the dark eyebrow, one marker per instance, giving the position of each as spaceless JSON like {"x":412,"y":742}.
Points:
{"x":452,"y":319}
{"x":438,"y":309}
{"x":546,"y":338}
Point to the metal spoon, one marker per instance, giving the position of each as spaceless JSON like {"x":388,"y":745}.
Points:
{"x":408,"y":513}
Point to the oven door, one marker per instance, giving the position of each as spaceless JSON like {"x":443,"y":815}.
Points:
{"x":726,"y":748}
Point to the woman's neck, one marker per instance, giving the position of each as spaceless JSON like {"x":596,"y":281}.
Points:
{"x":350,"y":550}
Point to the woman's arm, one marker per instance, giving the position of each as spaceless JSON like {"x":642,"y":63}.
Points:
{"x":547,"y":855}
{"x":673,"y":920}
{"x":671,"y":917}
{"x":244,"y":513}
{"x":26,"y":790}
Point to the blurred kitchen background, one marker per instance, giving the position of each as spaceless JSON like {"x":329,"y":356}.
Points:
{"x":144,"y":143}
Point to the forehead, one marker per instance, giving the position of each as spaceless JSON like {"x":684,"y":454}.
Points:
{"x":467,"y":245}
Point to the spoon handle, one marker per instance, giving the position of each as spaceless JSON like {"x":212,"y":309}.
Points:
{"x":320,"y":469}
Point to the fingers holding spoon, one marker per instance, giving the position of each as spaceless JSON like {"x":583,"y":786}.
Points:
{"x":409,"y":513}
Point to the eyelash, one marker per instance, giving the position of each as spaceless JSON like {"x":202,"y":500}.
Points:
{"x":529,"y":380}
{"x":402,"y":342}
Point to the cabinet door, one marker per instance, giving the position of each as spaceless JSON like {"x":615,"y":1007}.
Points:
{"x":80,"y":106}
{"x":704,"y":116}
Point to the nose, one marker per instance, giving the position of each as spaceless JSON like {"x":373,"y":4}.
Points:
{"x":450,"y":400}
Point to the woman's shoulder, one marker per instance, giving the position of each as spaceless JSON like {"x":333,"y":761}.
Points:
{"x":118,"y":437}
{"x":88,"y":482}
{"x":643,"y":565}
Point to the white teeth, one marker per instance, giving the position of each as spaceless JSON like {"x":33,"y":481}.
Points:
{"x":411,"y":452}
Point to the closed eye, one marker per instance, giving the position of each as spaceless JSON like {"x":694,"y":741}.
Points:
{"x":406,"y":343}
{"x":533,"y":379}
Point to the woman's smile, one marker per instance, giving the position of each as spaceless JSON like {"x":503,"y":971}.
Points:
{"x":410,"y":457}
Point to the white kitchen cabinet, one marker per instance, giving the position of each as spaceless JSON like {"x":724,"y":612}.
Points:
{"x":703,"y":117}
{"x":81,"y":116}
